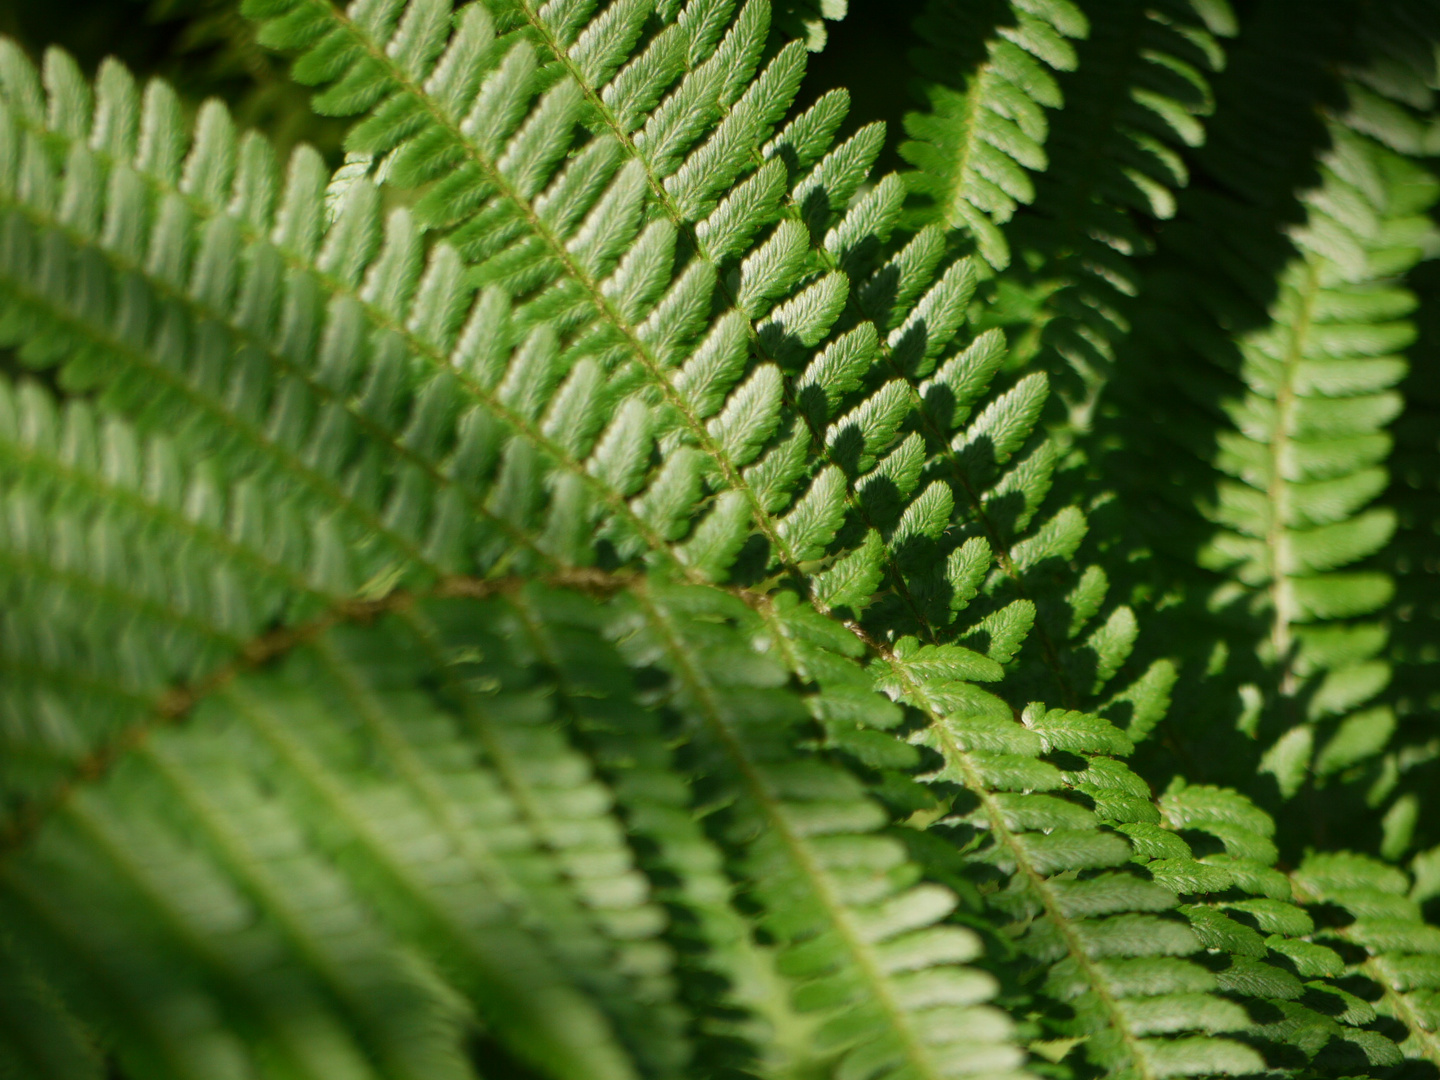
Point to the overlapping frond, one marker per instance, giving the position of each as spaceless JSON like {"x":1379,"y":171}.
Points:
{"x":431,"y":440}
{"x":1306,"y":457}
{"x":384,"y":395}
{"x":126,"y":568}
{"x":1392,"y":101}
{"x":421,"y":826}
{"x":726,"y":400}
{"x":1364,"y":912}
{"x":179,"y":281}
{"x":738,"y":275}
{"x":1284,"y":348}
{"x":860,"y":936}
{"x":1136,"y":103}
{"x":504,"y":419}
{"x":1158,"y":956}
{"x":349,"y":788}
{"x":988,"y":74}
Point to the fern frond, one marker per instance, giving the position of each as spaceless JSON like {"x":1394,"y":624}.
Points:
{"x":633,"y":749}
{"x":691,"y":407}
{"x":124,"y":571}
{"x":1320,"y":378}
{"x":1391,"y":101}
{"x":559,"y":595}
{"x":595,"y":872}
{"x":185,"y":907}
{"x":466,"y":835}
{"x":1365,"y":912}
{"x":562,"y":247}
{"x":376,"y":439}
{"x":987,"y":71}
{"x":916,"y":342}
{"x":782,"y":285}
{"x":1094,"y":883}
{"x":591,"y":906}
{"x":434,"y":843}
{"x":864,"y":942}
{"x":1301,"y":975}
{"x":943,"y":538}
{"x":447,"y":448}
{"x":164,"y":334}
{"x":1137,"y":102}
{"x":1135,"y":939}
{"x":1292,"y":347}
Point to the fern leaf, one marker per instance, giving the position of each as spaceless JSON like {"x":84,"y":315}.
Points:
{"x":157,"y":335}
{"x":559,"y":594}
{"x":347,"y":287}
{"x":474,"y":895}
{"x":857,"y":934}
{"x":985,"y":131}
{"x":988,"y":480}
{"x":1299,"y":454}
{"x":1390,"y":944}
{"x":632,"y":748}
{"x":1100,"y":935}
{"x":558,"y":801}
{"x":1108,"y":954}
{"x":1136,"y":103}
{"x":141,"y":569}
{"x":643,"y":306}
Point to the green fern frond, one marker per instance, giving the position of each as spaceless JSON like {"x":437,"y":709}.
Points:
{"x":857,"y":934}
{"x":1391,"y":101}
{"x":638,"y":315}
{"x":919,"y":325}
{"x":237,"y":855}
{"x":1290,"y":409}
{"x":1320,"y":381}
{"x":633,"y":749}
{"x":425,"y":836}
{"x":1137,"y":102}
{"x":158,"y":330}
{"x":344,"y":289}
{"x":1135,"y":939}
{"x":1367,"y":914}
{"x":572,"y":593}
{"x":987,"y":71}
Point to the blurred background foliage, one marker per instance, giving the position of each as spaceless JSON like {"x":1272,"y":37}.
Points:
{"x":203,"y":47}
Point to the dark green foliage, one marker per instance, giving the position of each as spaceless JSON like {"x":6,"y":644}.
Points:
{"x":601,"y":584}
